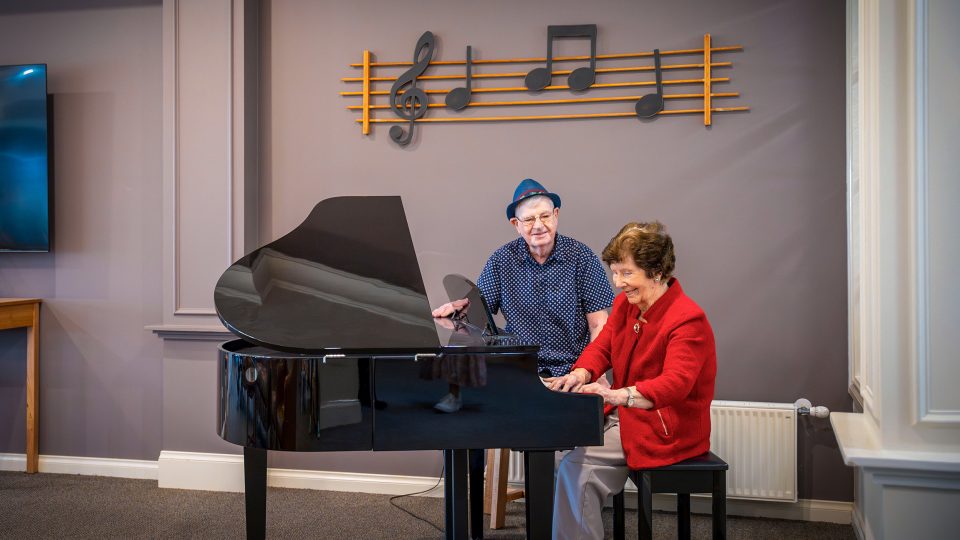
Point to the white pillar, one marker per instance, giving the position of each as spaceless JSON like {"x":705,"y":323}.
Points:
{"x":904,"y":295}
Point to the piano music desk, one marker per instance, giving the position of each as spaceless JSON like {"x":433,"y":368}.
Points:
{"x":25,"y":313}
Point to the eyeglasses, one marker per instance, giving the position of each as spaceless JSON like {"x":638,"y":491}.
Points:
{"x":530,"y":221}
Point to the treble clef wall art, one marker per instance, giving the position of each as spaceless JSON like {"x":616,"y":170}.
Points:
{"x":619,"y":85}
{"x":412,"y":103}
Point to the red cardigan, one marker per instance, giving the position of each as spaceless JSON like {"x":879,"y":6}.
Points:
{"x":673,"y":363}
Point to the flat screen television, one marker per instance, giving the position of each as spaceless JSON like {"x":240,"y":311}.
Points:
{"x":25,"y":187}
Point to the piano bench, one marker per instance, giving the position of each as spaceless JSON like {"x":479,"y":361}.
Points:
{"x":702,"y":474}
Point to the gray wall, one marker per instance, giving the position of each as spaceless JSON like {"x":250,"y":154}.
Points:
{"x":755,"y":203}
{"x":99,"y":369}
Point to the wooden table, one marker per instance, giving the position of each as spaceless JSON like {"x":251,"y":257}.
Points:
{"x":25,"y":313}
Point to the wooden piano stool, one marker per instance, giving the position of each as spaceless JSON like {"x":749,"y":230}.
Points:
{"x":496,"y":494}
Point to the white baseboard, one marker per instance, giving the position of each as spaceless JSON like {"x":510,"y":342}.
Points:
{"x":858,"y":525}
{"x":195,"y":470}
{"x":224,"y":472}
{"x":802,"y":510}
{"x":118,"y":468}
{"x":13,"y":462}
{"x":383,"y":484}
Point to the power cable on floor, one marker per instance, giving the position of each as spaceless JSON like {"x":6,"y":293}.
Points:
{"x":428,"y":522}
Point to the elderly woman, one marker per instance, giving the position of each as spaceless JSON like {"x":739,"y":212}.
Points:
{"x":661,"y":349}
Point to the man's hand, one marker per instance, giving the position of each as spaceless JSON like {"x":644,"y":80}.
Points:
{"x":447,"y":323}
{"x":571,"y":382}
{"x":450,"y":308}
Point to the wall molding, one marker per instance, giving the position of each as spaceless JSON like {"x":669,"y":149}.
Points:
{"x":178,"y":309}
{"x":88,"y":466}
{"x":859,"y":525}
{"x":201,"y":471}
{"x":803,"y":510}
{"x":187,"y":332}
{"x":927,"y":413}
{"x":860,"y":445}
{"x":224,"y":472}
{"x":922,"y":334}
{"x":210,"y":139}
{"x":186,"y":468}
{"x":854,"y":359}
{"x":869,"y":233}
{"x":935,"y":479}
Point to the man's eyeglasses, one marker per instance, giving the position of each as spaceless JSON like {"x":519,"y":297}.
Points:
{"x":530,"y":221}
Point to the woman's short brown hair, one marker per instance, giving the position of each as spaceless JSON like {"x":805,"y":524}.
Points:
{"x":648,"y":244}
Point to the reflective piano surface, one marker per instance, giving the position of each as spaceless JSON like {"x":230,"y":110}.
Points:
{"x":339,"y":352}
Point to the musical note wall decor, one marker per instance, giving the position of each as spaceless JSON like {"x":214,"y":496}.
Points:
{"x":412,"y":103}
{"x":649,"y":105}
{"x":458,"y":98}
{"x":603,"y":89}
{"x":580,"y":78}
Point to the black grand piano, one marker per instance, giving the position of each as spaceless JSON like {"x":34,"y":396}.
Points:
{"x":338,"y":351}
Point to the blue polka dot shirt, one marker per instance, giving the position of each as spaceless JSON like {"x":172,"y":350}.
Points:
{"x":547,"y":303}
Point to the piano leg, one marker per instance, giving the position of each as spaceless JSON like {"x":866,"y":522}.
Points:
{"x":476,"y":493}
{"x":255,"y":485}
{"x":538,"y":492}
{"x":455,"y":494}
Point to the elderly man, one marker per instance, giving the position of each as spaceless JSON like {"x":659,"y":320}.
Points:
{"x":551,"y":289}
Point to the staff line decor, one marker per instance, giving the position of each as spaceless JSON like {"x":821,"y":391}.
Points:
{"x":411,"y":103}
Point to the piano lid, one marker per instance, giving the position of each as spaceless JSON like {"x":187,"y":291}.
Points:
{"x":345,"y":278}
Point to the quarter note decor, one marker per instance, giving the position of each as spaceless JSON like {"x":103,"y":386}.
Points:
{"x":606,"y":89}
{"x":459,"y":98}
{"x":649,"y":105}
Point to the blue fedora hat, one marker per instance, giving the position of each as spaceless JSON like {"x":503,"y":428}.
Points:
{"x":526,"y":189}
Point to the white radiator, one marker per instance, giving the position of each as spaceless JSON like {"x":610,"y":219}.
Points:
{"x":757,"y":440}
{"x":515,"y":474}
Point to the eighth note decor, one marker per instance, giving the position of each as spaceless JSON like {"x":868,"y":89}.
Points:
{"x":609,"y":86}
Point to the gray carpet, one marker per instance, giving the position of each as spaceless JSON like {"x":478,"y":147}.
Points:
{"x":67,"y":506}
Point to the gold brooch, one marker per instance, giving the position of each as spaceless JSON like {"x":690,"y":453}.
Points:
{"x":636,"y":325}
